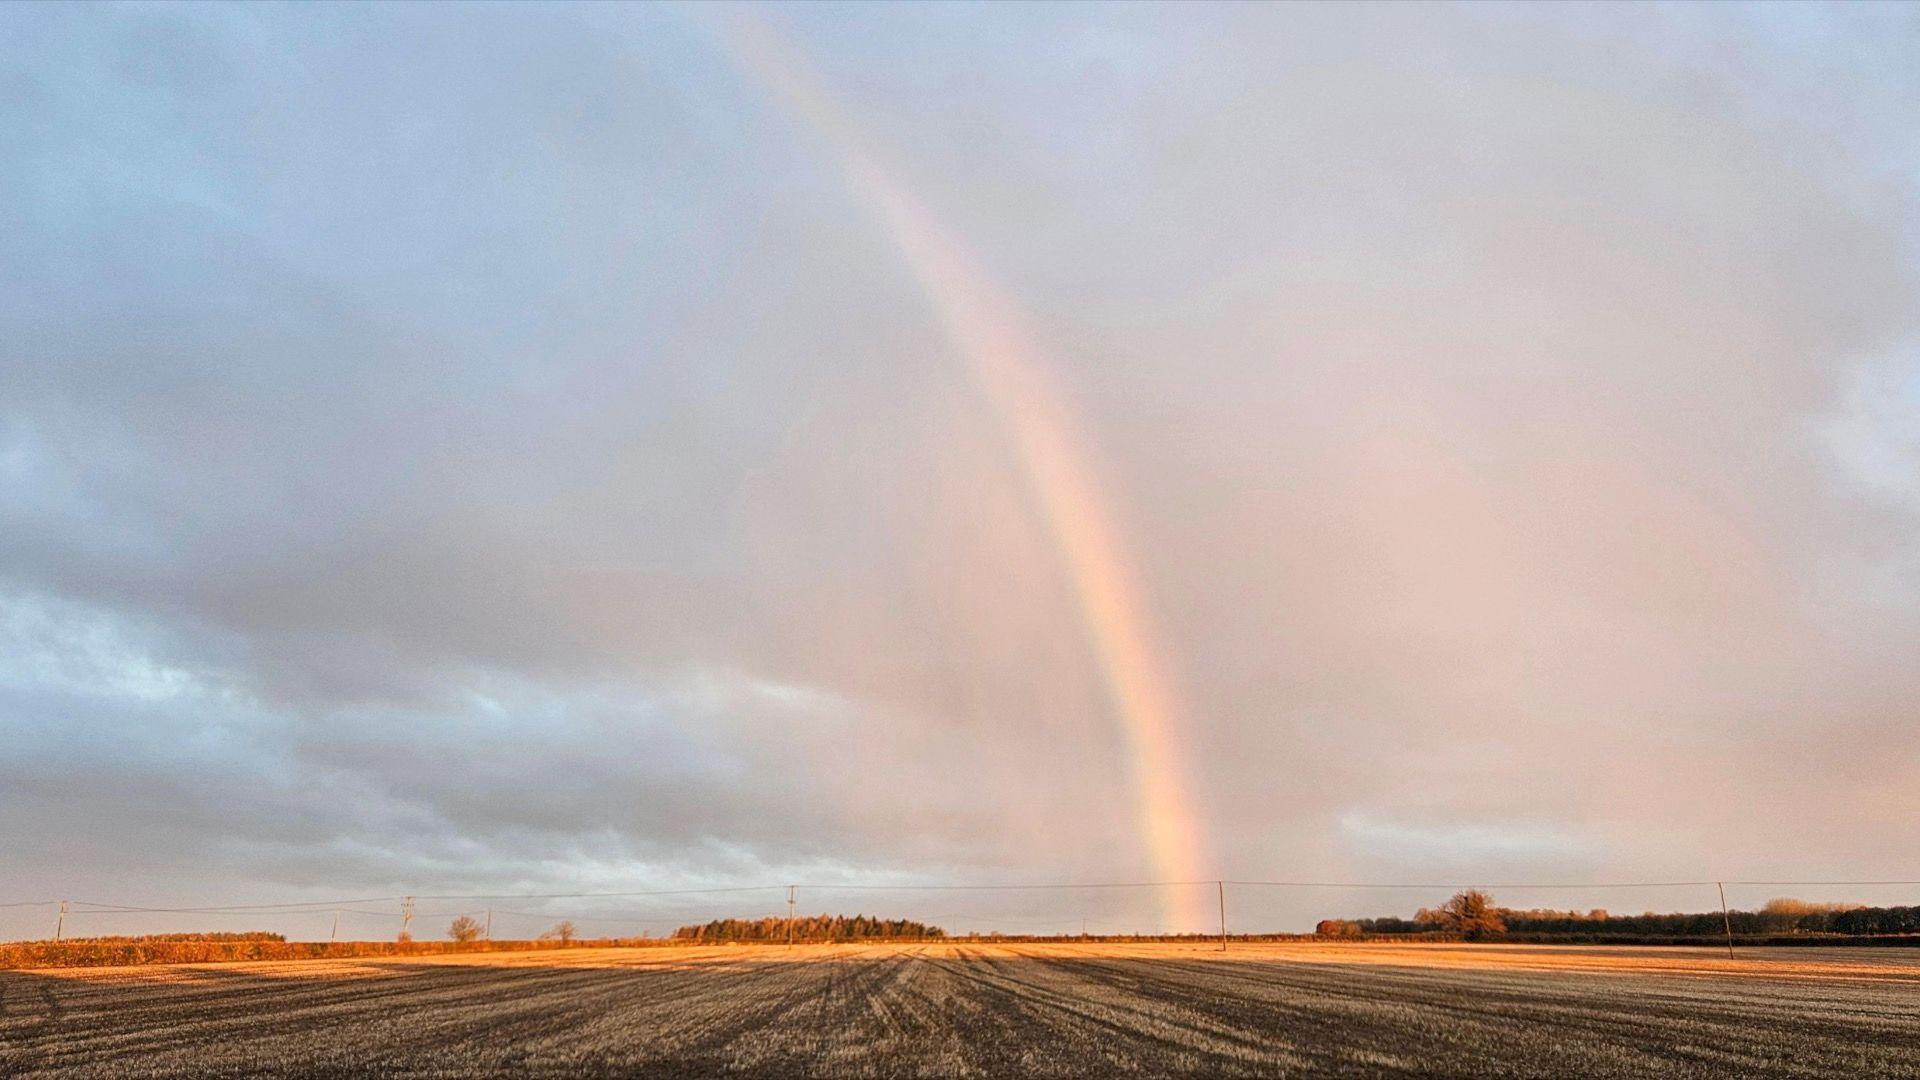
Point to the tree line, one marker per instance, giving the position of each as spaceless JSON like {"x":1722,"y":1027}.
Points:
{"x":809,"y":928}
{"x":1472,"y":914}
{"x":143,"y":939}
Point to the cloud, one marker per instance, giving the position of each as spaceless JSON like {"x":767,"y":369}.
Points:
{"x":1874,"y":433}
{"x":502,"y":451}
{"x":1467,"y":846}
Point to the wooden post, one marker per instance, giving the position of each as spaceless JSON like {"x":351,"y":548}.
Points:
{"x":1222,"y":886}
{"x":1726,"y":917}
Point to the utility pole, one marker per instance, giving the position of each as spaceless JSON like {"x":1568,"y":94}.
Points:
{"x":790,"y":889}
{"x":60,"y":924}
{"x":489,"y":924}
{"x":1726,"y":917}
{"x":335,"y":935}
{"x":406,"y":919}
{"x":1222,"y":887}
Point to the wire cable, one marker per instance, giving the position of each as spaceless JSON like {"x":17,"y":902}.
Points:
{"x":247,"y":909}
{"x":1015,"y":887}
{"x":1816,"y":883}
{"x":1459,"y":885}
{"x":93,"y":907}
{"x":590,"y":895}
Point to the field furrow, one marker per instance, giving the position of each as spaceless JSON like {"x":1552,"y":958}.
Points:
{"x":962,"y":1009}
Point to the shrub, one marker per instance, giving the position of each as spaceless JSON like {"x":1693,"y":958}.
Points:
{"x":1471,"y":914}
{"x":810,"y":928}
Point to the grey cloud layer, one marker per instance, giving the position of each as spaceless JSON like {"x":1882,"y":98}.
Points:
{"x":489,"y":446}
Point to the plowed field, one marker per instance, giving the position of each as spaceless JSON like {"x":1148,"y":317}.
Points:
{"x":995,"y":1010}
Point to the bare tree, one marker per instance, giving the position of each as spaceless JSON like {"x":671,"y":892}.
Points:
{"x":464,"y":928}
{"x":562,"y":932}
{"x":1471,"y":913}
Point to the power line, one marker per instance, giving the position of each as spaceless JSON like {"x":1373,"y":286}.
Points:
{"x":1015,"y":887}
{"x":1823,"y":883}
{"x":1523,"y":885}
{"x":589,"y":918}
{"x":243,"y":909}
{"x":590,"y":895}
{"x":92,"y":907}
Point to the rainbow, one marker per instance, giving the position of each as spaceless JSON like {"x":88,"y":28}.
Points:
{"x":984,"y":326}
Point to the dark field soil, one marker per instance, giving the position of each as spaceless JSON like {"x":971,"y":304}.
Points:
{"x":992,"y":1010}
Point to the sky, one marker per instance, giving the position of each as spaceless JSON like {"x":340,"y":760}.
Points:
{"x":540,"y":449}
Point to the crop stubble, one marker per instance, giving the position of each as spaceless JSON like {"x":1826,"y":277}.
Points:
{"x":964,"y":1009}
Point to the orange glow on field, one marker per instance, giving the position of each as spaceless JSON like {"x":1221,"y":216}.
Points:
{"x":985,"y":327}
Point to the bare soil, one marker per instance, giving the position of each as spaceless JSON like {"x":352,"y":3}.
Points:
{"x":1295,"y":1009}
